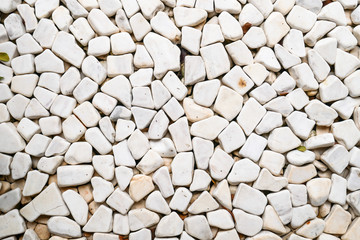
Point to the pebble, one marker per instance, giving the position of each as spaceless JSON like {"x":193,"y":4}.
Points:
{"x":249,"y":199}
{"x":198,"y":227}
{"x":169,"y":226}
{"x":77,"y":206}
{"x":101,"y":221}
{"x":64,"y":227}
{"x":145,"y":93}
{"x":13,"y":224}
{"x":41,"y":205}
{"x":74,"y":175}
{"x":246,"y":223}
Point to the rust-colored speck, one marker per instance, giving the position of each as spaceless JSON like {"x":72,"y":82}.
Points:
{"x":308,"y":222}
{"x":242,"y":82}
{"x":326,"y":2}
{"x":246,"y":27}
{"x":123,"y":237}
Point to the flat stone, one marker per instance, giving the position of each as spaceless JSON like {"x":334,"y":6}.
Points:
{"x":77,"y":206}
{"x":140,"y":186}
{"x":101,"y":220}
{"x":171,"y":51}
{"x":212,"y":55}
{"x":198,"y":227}
{"x":246,"y":223}
{"x":142,"y":218}
{"x":49,"y":202}
{"x":64,"y":227}
{"x":249,"y":199}
{"x":11,"y":141}
{"x":13,"y":224}
{"x":74,"y":175}
{"x":318,"y":190}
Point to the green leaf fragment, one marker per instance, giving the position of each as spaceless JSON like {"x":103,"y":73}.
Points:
{"x":4,"y":57}
{"x":301,"y":149}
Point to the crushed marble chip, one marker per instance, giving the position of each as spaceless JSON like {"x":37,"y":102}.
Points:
{"x":180,"y":119}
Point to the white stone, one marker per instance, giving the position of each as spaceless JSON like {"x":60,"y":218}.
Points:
{"x":318,"y":31}
{"x":140,"y":26}
{"x":37,"y":145}
{"x":298,"y":195}
{"x":263,"y":93}
{"x":212,"y":56}
{"x":121,"y":224}
{"x":180,"y":134}
{"x":267,"y":182}
{"x":297,"y":157}
{"x":120,"y":65}
{"x":162,"y":24}
{"x":74,"y":175}
{"x":123,"y":176}
{"x":266,"y":56}
{"x":220,"y":164}
{"x":211,"y":34}
{"x":99,"y":46}
{"x":250,"y":14}
{"x":101,"y":23}
{"x":336,"y":158}
{"x":20,"y":165}
{"x":64,"y":227}
{"x":190,"y":39}
{"x":35,"y":181}
{"x":286,"y":58}
{"x":14,"y":26}
{"x":220,"y":218}
{"x":101,"y":220}
{"x":119,"y":87}
{"x":11,"y":141}
{"x":181,"y":199}
{"x":343,"y":70}
{"x":247,"y":224}
{"x":120,"y":201}
{"x":65,"y":47}
{"x":275,"y":29}
{"x":23,"y":64}
{"x":301,"y":174}
{"x":302,"y":214}
{"x":242,"y":59}
{"x":318,"y":190}
{"x":165,"y":147}
{"x":49,"y":202}
{"x":333,"y":12}
{"x":87,"y":114}
{"x":301,"y":19}
{"x":353,"y":179}
{"x":249,"y":199}
{"x":77,"y":206}
{"x":82,"y":31}
{"x":182,"y":169}
{"x":254,"y":38}
{"x":140,"y":186}
{"x":170,"y":225}
{"x":243,"y":170}
{"x":73,"y":129}
{"x":123,"y":155}
{"x":338,"y":189}
{"x":160,"y":93}
{"x":9,"y":200}
{"x":181,"y":16}
{"x":13,"y":224}
{"x":271,"y":221}
{"x":156,"y":202}
{"x":313,"y":229}
{"x":320,"y":113}
{"x":142,"y":218}
{"x":346,"y":133}
{"x":204,"y":203}
{"x":162,"y":64}
{"x":142,"y":97}
{"x":198,"y":227}
{"x":282,"y":204}
{"x":300,"y":124}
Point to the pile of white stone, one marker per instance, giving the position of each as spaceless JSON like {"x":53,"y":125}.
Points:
{"x":180,"y":119}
